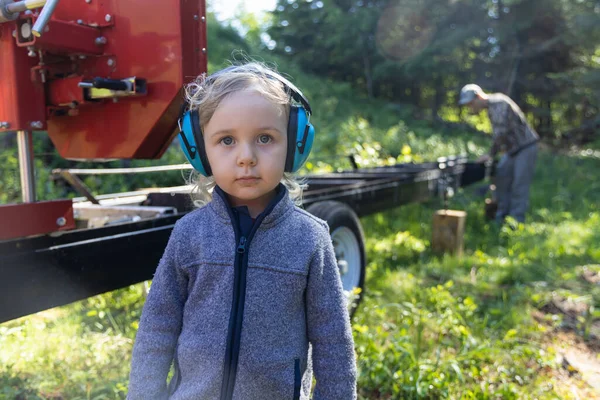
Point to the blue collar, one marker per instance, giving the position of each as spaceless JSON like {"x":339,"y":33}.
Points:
{"x":277,"y":207}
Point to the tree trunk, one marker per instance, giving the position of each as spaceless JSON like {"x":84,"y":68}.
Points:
{"x":547,"y":119}
{"x":368,"y":76}
{"x":437,"y":97}
{"x":415,"y":94}
{"x":515,"y":69}
{"x":415,"y":99}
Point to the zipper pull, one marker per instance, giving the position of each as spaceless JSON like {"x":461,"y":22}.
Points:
{"x":242,"y":246}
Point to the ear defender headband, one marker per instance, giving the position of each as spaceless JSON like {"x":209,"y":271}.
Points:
{"x":301,"y":133}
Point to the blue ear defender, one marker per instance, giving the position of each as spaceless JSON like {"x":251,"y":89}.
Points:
{"x":192,"y":142}
{"x":301,"y":133}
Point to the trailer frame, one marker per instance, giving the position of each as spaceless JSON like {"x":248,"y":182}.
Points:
{"x":46,"y":271}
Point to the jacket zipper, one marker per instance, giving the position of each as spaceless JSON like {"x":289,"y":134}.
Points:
{"x":234,"y":332}
{"x":237,"y":313}
{"x":241,"y":249}
{"x":226,"y":384}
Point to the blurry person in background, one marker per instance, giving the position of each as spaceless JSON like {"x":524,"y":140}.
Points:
{"x":516,"y":140}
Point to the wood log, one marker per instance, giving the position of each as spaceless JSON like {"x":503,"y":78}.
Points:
{"x":448,"y":231}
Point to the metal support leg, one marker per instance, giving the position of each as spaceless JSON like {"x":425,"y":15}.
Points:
{"x":26,"y":166}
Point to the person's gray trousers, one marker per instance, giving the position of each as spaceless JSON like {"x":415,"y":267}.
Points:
{"x":513,"y":179}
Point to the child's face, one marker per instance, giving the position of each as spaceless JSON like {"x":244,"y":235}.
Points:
{"x":246,"y":146}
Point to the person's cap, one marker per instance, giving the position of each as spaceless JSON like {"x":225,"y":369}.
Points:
{"x":468,"y":93}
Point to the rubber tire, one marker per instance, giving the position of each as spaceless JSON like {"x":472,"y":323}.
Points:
{"x":338,"y":214}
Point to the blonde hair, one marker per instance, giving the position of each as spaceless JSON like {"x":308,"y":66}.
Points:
{"x":205,"y":94}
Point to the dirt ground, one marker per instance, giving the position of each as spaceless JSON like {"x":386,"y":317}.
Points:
{"x":579,"y":357}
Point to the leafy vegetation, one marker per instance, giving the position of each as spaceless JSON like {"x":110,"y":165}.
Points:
{"x":482,"y":326}
{"x":442,"y":327}
{"x":542,"y":53}
{"x":429,"y":326}
{"x":80,"y":351}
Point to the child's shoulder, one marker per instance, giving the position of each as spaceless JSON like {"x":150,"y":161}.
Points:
{"x":310,"y":222}
{"x":191,"y":220}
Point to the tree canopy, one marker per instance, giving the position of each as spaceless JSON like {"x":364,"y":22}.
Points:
{"x":545,"y":54}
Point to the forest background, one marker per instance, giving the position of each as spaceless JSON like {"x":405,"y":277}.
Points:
{"x":515,"y":318}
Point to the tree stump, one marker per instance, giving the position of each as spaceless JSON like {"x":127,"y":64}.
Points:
{"x":448,"y":231}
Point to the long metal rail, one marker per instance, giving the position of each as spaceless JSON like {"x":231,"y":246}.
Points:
{"x":42,"y":272}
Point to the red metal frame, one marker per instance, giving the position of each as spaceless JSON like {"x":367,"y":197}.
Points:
{"x":64,"y":37}
{"x":27,"y":219}
{"x":162,"y":41}
{"x":21,"y":99}
{"x":64,"y":92}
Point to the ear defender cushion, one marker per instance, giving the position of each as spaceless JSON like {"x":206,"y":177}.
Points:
{"x":192,"y":143}
{"x":301,"y":135}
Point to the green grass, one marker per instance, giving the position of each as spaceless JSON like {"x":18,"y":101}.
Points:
{"x":441,"y":327}
{"x":79,"y":351}
{"x":429,"y":326}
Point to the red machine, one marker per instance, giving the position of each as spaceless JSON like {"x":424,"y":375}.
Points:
{"x":103,"y":77}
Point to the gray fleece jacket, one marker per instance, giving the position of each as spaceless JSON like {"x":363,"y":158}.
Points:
{"x":236,"y":315}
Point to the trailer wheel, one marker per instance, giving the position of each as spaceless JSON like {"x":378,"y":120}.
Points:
{"x":348,"y":242}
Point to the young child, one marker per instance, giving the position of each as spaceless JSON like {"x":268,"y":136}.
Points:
{"x":248,"y":281}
